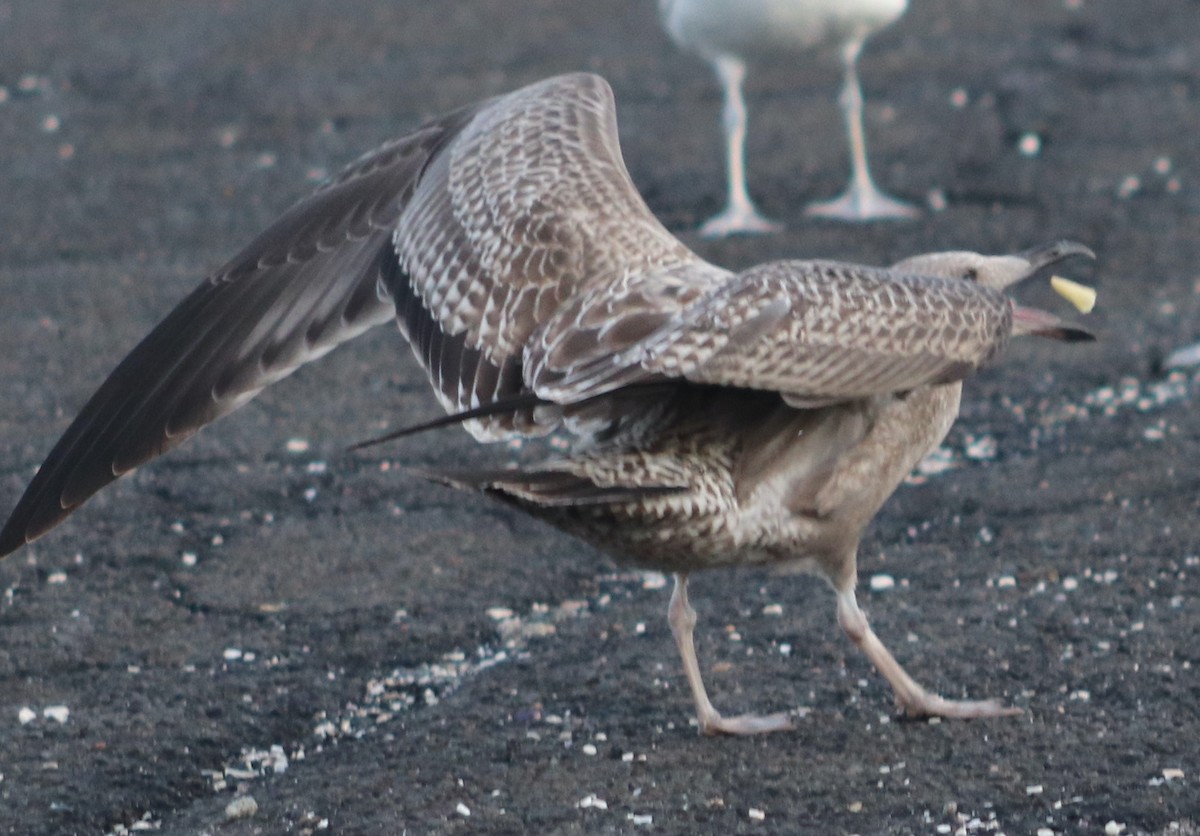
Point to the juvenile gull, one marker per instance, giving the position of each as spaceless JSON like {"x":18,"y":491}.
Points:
{"x":730,"y":33}
{"x":720,"y":418}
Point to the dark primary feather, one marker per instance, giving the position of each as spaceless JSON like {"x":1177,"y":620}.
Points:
{"x":309,"y":282}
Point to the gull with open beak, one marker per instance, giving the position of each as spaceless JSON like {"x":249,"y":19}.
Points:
{"x":720,"y":419}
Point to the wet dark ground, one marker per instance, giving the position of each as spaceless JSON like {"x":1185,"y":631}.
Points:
{"x":241,"y":595}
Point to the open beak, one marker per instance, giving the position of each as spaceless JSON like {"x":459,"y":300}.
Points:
{"x":1042,"y":323}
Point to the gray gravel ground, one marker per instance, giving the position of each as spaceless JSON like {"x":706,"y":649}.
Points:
{"x":324,"y":634}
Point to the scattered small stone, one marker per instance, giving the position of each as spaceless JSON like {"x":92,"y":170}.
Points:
{"x":1030,"y":144}
{"x":881,"y":582}
{"x":463,"y":810}
{"x":982,"y":448}
{"x":1130,"y":185}
{"x":188,"y":558}
{"x":855,"y":806}
{"x":57,"y":577}
{"x":641,"y":819}
{"x":772,"y":609}
{"x":232,"y":654}
{"x":1033,"y":789}
{"x":959,"y":98}
{"x":242,"y":807}
{"x":1183,"y":357}
{"x":58,"y":713}
{"x":1173,"y":773}
{"x":653,"y":580}
{"x":1045,"y":831}
{"x":499,"y":613}
{"x":296,"y":445}
{"x":756,"y":814}
{"x":1070,"y":584}
{"x":26,"y":715}
{"x":590,"y":801}
{"x":1114,"y":828}
{"x":589,"y":749}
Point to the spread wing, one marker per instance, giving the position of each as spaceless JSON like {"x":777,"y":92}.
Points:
{"x":528,"y":208}
{"x":471,"y":231}
{"x":816,"y":332}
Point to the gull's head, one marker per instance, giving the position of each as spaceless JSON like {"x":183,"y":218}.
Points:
{"x":999,"y":272}
{"x":995,"y":271}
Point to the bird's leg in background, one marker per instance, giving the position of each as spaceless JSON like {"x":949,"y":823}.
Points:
{"x":862,"y":200}
{"x":740,"y":214}
{"x":914,"y":700}
{"x":682,"y":619}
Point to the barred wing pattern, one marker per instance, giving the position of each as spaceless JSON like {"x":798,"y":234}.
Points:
{"x":817,"y":332}
{"x":529,"y":207}
{"x":470,"y":231}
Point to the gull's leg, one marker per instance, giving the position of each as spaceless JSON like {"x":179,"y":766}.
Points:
{"x":682,"y":619}
{"x":914,"y":700}
{"x":861,"y":201}
{"x":740,"y":214}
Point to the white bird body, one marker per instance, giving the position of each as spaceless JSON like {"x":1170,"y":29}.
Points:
{"x":773,"y":27}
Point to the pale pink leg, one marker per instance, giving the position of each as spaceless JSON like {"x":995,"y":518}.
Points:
{"x":862,"y":200}
{"x":682,"y":619}
{"x":914,"y":700}
{"x":740,"y":215}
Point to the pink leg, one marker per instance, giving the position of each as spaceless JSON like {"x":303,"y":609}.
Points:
{"x":914,"y":700}
{"x":682,"y":619}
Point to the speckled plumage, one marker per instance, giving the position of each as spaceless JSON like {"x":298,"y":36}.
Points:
{"x":721,"y":419}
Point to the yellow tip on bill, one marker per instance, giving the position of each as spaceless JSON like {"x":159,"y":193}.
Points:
{"x":1079,"y":295}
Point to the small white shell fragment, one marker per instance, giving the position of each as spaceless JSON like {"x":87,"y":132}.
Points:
{"x":653,"y":580}
{"x":772,"y":609}
{"x":881,"y":582}
{"x":242,"y":807}
{"x":56,"y":712}
{"x":1114,"y":828}
{"x":463,"y":810}
{"x":589,"y":749}
{"x":756,"y":814}
{"x":296,"y":445}
{"x":1172,"y":773}
{"x":1033,"y":789}
{"x":1030,"y":144}
{"x":57,"y":577}
{"x":499,"y":613}
{"x":232,"y":654}
{"x":1079,"y":295}
{"x":590,"y":800}
{"x":26,"y":715}
{"x":644,"y":819}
